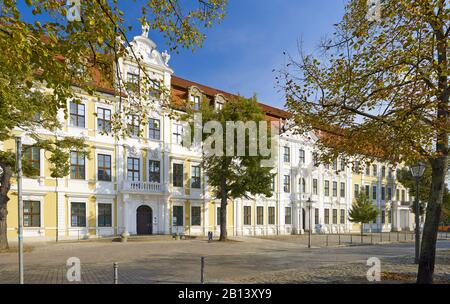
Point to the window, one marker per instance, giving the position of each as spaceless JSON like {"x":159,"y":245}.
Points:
{"x":177,"y":175}
{"x":104,"y":167}
{"x":389,"y":193}
{"x":397,"y":194}
{"x":104,"y":217}
{"x":31,"y":214}
{"x":271,"y":215}
{"x":403,"y":196}
{"x":342,"y":165}
{"x":77,"y":165}
{"x":195,"y":178}
{"x":301,"y":153}
{"x":316,"y":216}
{"x":196,"y":216}
{"x":132,"y":82}
{"x":390,"y":172}
{"x":335,"y":214}
{"x":334,"y":189}
{"x":356,"y":166}
{"x":287,"y":154}
{"x":78,"y":214}
{"x":155,"y":89}
{"x":342,"y":216}
{"x":327,"y":216}
{"x":133,"y":169}
{"x":356,"y":190}
{"x":154,"y":171}
{"x":383,"y":193}
{"x":177,"y":134}
{"x":315,"y":186}
{"x":342,"y":190}
{"x":247,"y":215}
{"x":77,"y":114}
{"x":287,"y":215}
{"x":287,"y":183}
{"x":367,"y":170}
{"x":134,"y":125}
{"x":154,"y":131}
{"x":383,"y":171}
{"x":383,"y":217}
{"x":301,"y":185}
{"x":259,"y":215}
{"x":103,"y":120}
{"x":315,"y":159}
{"x":195,"y":102}
{"x":273,"y":183}
{"x":367,"y":191}
{"x":335,"y":165}
{"x":32,"y":155}
{"x":327,"y":188}
{"x":374,"y":192}
{"x":219,"y":106}
{"x":178,"y":215}
{"x":390,"y":216}
{"x":375,"y":169}
{"x":218,"y":216}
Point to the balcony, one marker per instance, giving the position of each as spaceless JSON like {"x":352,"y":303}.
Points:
{"x":141,"y":187}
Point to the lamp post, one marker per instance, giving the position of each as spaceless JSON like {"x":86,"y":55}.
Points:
{"x":417,"y":172}
{"x":310,"y":224}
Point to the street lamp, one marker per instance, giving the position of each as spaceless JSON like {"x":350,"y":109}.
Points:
{"x":417,"y":172}
{"x":310,"y":224}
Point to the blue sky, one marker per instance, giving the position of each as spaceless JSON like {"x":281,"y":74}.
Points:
{"x":240,"y":54}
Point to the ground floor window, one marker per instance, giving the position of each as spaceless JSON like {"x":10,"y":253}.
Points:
{"x":259,"y":215}
{"x":31,"y":214}
{"x":316,"y":216}
{"x":104,"y":216}
{"x":78,"y":214}
{"x":178,"y":215}
{"x":383,"y":217}
{"x":287,"y":216}
{"x":342,"y":216}
{"x":196,"y":216}
{"x":390,"y":216}
{"x":271,"y":215}
{"x":335,"y":216}
{"x":327,"y":216}
{"x":247,"y":215}
{"x":218,"y":216}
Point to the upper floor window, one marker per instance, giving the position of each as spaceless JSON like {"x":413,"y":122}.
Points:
{"x":367,"y":191}
{"x":133,"y":169}
{"x":287,"y":154}
{"x":375,"y":169}
{"x":133,"y":125}
{"x":302,"y":156}
{"x":356,"y":166}
{"x":33,"y":156}
{"x":327,"y":188}
{"x":104,"y":167}
{"x":177,"y":134}
{"x":315,"y":159}
{"x":389,"y":193}
{"x":383,"y":193}
{"x":335,"y":165}
{"x":154,"y":129}
{"x":154,"y":171}
{"x":196,"y":177}
{"x":390,"y":172}
{"x":342,"y":190}
{"x":287,"y":183}
{"x":356,"y":190}
{"x":155,"y":88}
{"x":132,"y":82}
{"x":334,"y":189}
{"x":195,"y":102}
{"x":367,"y":170}
{"x":383,"y":171}
{"x":315,"y":186}
{"x":104,"y":120}
{"x":219,"y":106}
{"x":374,"y":192}
{"x":177,"y":175}
{"x":77,"y":165}
{"x":77,"y":114}
{"x":301,"y":185}
{"x":342,"y":165}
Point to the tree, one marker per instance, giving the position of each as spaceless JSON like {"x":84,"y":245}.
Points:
{"x":381,"y":88}
{"x":363,"y":212}
{"x":233,"y":175}
{"x":44,"y":57}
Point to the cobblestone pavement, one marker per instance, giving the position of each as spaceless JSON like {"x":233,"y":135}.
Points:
{"x":244,"y":260}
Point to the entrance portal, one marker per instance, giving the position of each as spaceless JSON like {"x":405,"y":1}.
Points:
{"x":144,"y":216}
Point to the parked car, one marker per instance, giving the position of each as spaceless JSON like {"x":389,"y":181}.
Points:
{"x":444,"y":228}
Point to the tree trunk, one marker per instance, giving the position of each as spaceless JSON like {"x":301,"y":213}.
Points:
{"x":362,"y":232}
{"x":439,"y":164}
{"x":5,"y":185}
{"x":429,"y":238}
{"x":223,"y":212}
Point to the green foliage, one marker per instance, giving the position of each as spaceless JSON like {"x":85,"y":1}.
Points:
{"x":363,"y":210}
{"x":237,"y":176}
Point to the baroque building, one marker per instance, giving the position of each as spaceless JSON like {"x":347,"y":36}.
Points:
{"x":149,"y":183}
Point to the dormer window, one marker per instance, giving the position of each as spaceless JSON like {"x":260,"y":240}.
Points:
{"x":219,"y":106}
{"x":219,"y":102}
{"x":195,"y":102}
{"x":155,"y":88}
